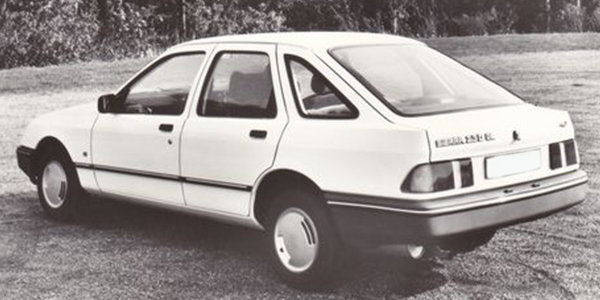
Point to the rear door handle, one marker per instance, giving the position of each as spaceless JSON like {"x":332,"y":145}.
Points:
{"x":165,"y":127}
{"x":259,"y":134}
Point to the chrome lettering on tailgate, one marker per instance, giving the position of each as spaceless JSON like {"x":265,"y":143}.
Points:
{"x":465,"y":139}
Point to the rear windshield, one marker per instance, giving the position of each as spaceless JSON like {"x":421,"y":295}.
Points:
{"x":417,"y":80}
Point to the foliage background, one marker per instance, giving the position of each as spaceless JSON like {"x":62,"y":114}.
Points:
{"x":44,"y":32}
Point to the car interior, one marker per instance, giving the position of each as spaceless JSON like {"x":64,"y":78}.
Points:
{"x":249,"y":95}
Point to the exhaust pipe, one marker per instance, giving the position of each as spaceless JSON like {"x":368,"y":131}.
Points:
{"x":408,"y":251}
{"x":416,"y":251}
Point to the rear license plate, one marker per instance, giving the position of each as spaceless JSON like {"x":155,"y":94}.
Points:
{"x":511,"y":164}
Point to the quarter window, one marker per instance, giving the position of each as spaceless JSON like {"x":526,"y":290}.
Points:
{"x":239,"y":86}
{"x":165,"y":88}
{"x":315,"y":96}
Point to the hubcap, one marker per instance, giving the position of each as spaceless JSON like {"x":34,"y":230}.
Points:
{"x":296,"y":240}
{"x":54,"y":184}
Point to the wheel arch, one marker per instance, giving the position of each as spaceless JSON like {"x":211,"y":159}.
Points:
{"x":273,"y":182}
{"x":46,"y":143}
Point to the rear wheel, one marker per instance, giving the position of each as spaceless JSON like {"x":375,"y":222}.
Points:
{"x":58,"y":186}
{"x":301,"y":240}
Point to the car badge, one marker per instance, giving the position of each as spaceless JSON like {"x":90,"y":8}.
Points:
{"x":516,"y":136}
{"x":464,"y":139}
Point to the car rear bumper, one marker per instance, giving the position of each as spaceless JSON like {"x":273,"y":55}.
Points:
{"x":25,"y":161}
{"x":371,"y":220}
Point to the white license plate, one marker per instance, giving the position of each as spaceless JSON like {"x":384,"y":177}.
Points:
{"x":511,"y":164}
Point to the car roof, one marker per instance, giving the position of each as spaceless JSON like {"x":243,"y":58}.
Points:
{"x":309,"y":40}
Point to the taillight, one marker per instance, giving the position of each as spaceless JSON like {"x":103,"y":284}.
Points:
{"x":570,"y":152}
{"x":555,"y":156}
{"x":555,"y":153}
{"x":466,"y":172}
{"x":441,"y":176}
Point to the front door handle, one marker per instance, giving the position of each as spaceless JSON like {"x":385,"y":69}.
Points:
{"x":259,"y":134}
{"x":165,"y":127}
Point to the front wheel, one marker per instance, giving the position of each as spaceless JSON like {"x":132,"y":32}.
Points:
{"x":58,"y":186}
{"x":302,"y":240}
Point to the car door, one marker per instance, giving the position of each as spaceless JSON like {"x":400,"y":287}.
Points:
{"x":232,"y":134}
{"x":135,"y":152}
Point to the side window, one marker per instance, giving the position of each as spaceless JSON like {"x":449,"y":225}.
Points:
{"x":164,"y":90}
{"x":315,"y":96}
{"x":239,"y":86}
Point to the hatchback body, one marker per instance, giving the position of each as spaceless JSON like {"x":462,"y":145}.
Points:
{"x":323,"y":140}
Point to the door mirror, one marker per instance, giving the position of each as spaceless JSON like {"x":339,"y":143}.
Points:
{"x":107,"y":103}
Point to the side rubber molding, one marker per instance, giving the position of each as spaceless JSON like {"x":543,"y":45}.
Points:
{"x":163,"y":176}
{"x":369,"y":220}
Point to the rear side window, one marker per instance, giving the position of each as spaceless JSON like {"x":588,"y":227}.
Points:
{"x":315,"y":96}
{"x":240,"y":86}
{"x":165,"y":88}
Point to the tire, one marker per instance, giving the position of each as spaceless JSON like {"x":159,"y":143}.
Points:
{"x":301,"y":240}
{"x":59,"y":191}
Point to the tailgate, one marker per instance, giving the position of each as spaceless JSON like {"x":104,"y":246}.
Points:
{"x":502,"y":130}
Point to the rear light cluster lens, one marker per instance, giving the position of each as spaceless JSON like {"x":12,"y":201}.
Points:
{"x":555,"y":156}
{"x":555,"y":150}
{"x":436,"y":177}
{"x":570,"y":152}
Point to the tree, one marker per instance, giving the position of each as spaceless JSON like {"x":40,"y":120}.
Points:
{"x":2,"y":11}
{"x":103,"y":19}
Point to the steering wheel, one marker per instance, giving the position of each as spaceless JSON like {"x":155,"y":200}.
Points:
{"x":140,"y":109}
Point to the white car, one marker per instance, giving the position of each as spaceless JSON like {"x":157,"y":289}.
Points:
{"x":323,"y":140}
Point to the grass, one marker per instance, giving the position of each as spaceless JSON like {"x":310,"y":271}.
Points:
{"x":94,"y":75}
{"x":126,"y":252}
{"x":505,"y":44}
{"x":107,"y":76}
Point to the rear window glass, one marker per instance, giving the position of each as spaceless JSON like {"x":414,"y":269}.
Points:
{"x":416,"y":80}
